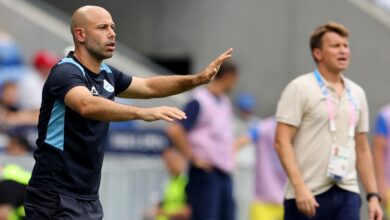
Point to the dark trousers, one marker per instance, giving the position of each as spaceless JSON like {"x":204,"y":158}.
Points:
{"x":47,"y":205}
{"x":210,"y":195}
{"x":335,"y":204}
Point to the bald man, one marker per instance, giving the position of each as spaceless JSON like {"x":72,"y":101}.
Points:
{"x":77,"y":106}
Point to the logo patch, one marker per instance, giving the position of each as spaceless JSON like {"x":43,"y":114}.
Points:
{"x":107,"y":86}
{"x":94,"y":91}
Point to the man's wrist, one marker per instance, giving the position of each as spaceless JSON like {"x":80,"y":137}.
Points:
{"x":297,"y":184}
{"x":136,"y":113}
{"x":197,"y":79}
{"x":372,"y":195}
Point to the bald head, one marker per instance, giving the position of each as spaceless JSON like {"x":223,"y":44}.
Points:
{"x":83,"y":16}
{"x":93,"y":32}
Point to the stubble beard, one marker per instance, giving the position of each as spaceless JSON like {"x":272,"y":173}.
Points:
{"x":96,"y":53}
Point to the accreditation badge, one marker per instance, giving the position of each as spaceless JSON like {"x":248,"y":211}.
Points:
{"x":338,"y":163}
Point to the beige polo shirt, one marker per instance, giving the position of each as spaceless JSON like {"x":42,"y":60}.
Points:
{"x":303,"y":105}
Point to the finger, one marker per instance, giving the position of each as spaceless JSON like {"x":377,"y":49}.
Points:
{"x":378,"y":215}
{"x":371,"y":215}
{"x":180,"y":113}
{"x":312,"y":208}
{"x":302,"y":208}
{"x":308,"y":209}
{"x":172,"y":116}
{"x":316,"y":204}
{"x":222,"y":59}
{"x":228,"y":53}
{"x":176,"y":114}
{"x":224,"y":56}
{"x":165,"y":118}
{"x":174,"y":110}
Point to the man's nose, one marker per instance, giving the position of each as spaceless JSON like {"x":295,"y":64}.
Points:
{"x":112,"y":33}
{"x":344,"y":50}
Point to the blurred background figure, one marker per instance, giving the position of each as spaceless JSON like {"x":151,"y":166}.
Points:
{"x":269,"y":175}
{"x":381,"y":155}
{"x":30,"y":86}
{"x":206,"y":138}
{"x":10,"y":112}
{"x":245,"y":119}
{"x":13,"y":182}
{"x":17,"y":145}
{"x":246,"y":105}
{"x":174,"y":203}
{"x":11,"y":61}
{"x":16,"y":124}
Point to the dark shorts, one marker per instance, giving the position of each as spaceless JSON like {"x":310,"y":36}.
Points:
{"x":335,"y":204}
{"x":210,"y":195}
{"x":48,"y":205}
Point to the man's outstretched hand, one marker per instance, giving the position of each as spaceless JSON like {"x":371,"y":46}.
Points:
{"x":161,"y":113}
{"x":211,"y":70}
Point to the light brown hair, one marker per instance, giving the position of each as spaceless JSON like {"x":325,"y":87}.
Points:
{"x":319,"y":32}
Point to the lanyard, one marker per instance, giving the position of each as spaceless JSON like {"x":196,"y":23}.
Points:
{"x":330,"y":107}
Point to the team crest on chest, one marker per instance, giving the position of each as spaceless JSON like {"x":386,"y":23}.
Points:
{"x":94,"y":91}
{"x":107,"y":86}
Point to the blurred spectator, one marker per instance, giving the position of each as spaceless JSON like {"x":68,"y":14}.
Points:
{"x":269,"y":175}
{"x":11,"y":62}
{"x":10,"y":113}
{"x":9,"y":97}
{"x":12,"y":191}
{"x":17,"y":145}
{"x":30,"y":86}
{"x":245,"y":104}
{"x":9,"y":51}
{"x":382,"y":155}
{"x":206,"y":138}
{"x":173,"y":206}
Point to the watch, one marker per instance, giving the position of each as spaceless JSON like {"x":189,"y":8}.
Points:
{"x":373,"y":194}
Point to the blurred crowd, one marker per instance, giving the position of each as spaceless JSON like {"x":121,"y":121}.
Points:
{"x":21,"y":85}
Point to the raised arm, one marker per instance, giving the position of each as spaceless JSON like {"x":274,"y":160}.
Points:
{"x":162,"y":86}
{"x":83,"y":102}
{"x":305,"y":200}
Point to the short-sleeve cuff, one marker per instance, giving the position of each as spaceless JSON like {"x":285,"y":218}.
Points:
{"x":288,"y":121}
{"x":67,"y":89}
{"x":364,"y":129}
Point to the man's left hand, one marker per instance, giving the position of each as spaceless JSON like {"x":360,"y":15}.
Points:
{"x":375,"y":209}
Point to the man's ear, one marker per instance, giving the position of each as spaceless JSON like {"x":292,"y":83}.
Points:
{"x":80,"y":35}
{"x":317,"y":54}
